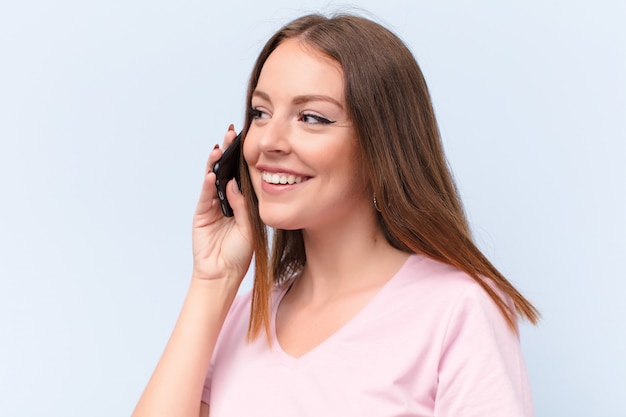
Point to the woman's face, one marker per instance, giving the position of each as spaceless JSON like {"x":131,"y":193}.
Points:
{"x":301,"y":148}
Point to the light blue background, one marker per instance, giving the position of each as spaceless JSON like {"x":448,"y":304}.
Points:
{"x":108,"y":110}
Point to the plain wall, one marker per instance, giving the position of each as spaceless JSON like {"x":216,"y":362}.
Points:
{"x":108,"y":110}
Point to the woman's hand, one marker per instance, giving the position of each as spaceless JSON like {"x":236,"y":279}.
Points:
{"x":222,"y":246}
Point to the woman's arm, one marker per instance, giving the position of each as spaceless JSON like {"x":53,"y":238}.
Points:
{"x":222,"y":253}
{"x":176,"y":384}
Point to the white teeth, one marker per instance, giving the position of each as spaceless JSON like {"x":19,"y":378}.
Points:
{"x":281,"y":178}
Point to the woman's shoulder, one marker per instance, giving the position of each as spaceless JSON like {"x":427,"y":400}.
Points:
{"x":429,"y":284}
{"x":424,"y":274}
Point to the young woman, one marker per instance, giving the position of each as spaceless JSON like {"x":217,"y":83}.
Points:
{"x":374,"y":301}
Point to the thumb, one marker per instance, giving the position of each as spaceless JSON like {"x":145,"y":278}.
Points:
{"x":236,"y":199}
{"x":240,"y":209}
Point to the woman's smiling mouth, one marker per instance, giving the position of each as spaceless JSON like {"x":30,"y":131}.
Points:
{"x":281,"y":178}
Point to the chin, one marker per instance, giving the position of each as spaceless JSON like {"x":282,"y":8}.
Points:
{"x":271,"y":218}
{"x":280,"y":224}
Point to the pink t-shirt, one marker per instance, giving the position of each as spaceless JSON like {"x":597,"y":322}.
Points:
{"x":430,"y":343}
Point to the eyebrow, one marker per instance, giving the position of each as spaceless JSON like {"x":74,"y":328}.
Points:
{"x":301,"y":99}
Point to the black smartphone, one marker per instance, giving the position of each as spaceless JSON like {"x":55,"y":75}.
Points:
{"x":227,"y":168}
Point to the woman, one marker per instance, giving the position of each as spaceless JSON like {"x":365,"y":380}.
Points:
{"x":374,"y":301}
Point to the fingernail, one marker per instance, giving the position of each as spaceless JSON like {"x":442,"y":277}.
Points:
{"x":231,"y":127}
{"x":216,"y":146}
{"x":236,"y":186}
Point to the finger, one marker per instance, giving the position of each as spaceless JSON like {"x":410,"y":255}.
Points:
{"x":214,"y":156}
{"x":208,"y":195}
{"x":230,"y":136}
{"x":216,"y":153}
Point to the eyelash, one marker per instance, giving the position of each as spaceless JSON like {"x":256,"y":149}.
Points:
{"x":318,"y":119}
{"x":258,"y":114}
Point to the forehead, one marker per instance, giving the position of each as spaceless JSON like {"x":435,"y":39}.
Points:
{"x":297,"y":68}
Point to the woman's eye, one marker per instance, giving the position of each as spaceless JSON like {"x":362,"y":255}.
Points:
{"x":258,"y":114}
{"x":314,"y":119}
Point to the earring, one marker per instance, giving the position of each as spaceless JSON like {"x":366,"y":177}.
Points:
{"x":376,"y":203}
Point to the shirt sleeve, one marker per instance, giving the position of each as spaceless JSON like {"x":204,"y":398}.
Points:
{"x":481,"y":369}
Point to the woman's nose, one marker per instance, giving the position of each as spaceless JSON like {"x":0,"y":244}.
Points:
{"x":273,"y":135}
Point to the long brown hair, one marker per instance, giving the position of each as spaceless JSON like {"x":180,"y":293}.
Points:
{"x":420,"y":210}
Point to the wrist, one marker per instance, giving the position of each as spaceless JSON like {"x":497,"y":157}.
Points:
{"x":215,"y":282}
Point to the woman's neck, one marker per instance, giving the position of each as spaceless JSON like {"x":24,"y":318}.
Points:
{"x":352,"y":257}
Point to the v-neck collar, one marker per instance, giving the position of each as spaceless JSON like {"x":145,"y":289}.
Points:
{"x":354,"y":321}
